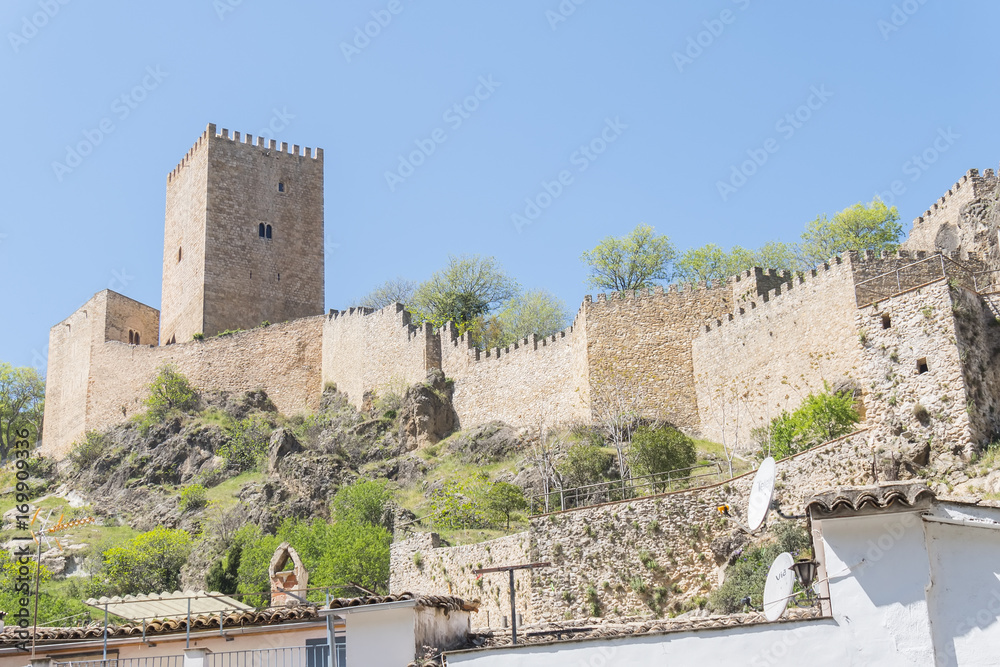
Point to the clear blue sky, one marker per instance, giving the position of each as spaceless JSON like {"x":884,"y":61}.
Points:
{"x":888,"y":94}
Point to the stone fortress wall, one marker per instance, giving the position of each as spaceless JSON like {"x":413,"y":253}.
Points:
{"x":712,"y":359}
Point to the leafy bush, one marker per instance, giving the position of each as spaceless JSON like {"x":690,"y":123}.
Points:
{"x":168,"y":392}
{"x":86,"y":452}
{"x":148,"y":563}
{"x":52,"y":609}
{"x":193,"y":497}
{"x":247,"y":444}
{"x":658,"y":450}
{"x":747,"y":576}
{"x":820,"y":418}
{"x":368,"y":502}
{"x":459,"y":504}
{"x":585,"y":463}
{"x":503,"y":499}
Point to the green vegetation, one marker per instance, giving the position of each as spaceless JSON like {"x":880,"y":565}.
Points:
{"x":148,"y":563}
{"x":469,"y":288}
{"x":475,"y":502}
{"x":170,"y":391}
{"x":246,"y":447}
{"x":86,"y":452}
{"x":820,"y":418}
{"x":658,"y":450}
{"x":712,"y":262}
{"x":746,"y":577}
{"x":22,"y":403}
{"x":635,"y":261}
{"x":193,"y":497}
{"x":586,"y":463}
{"x":53,"y":609}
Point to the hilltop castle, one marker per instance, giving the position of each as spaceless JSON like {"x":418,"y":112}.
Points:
{"x":243,"y":251}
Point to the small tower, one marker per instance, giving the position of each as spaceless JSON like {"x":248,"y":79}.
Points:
{"x":243,"y":240}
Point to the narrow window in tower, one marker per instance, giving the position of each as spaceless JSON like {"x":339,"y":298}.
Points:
{"x":886,"y":321}
{"x":179,"y":254}
{"x":279,"y":277}
{"x":260,"y":230}
{"x":922,"y":365}
{"x":131,"y":337}
{"x":281,"y":187}
{"x":136,"y":337}
{"x":268,"y":232}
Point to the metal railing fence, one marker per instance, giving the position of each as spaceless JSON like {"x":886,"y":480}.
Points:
{"x":627,"y":489}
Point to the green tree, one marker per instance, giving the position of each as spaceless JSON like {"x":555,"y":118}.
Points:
{"x":148,"y":563}
{"x":224,"y":574}
{"x":533,"y":312}
{"x":637,"y":260}
{"x":170,"y":391}
{"x":193,"y":497}
{"x":22,"y":403}
{"x":459,"y":504}
{"x":470,"y":287}
{"x":397,"y":290}
{"x":712,"y":262}
{"x":247,"y":445}
{"x":585,"y":463}
{"x":862,"y":226}
{"x":366,"y":502}
{"x":659,"y":450}
{"x":504,"y":498}
{"x":52,"y":609}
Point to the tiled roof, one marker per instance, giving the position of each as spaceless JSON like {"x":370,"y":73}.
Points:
{"x":577,"y":630}
{"x":880,"y":496}
{"x":272,"y":616}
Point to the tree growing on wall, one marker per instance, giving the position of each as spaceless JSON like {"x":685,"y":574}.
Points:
{"x":638,"y":260}
{"x":22,"y":404}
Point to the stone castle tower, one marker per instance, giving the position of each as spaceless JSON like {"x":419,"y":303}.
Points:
{"x":243,"y":241}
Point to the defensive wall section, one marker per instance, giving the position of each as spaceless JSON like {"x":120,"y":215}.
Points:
{"x":946,"y":224}
{"x":365,"y":350}
{"x":96,"y":380}
{"x":663,"y":541}
{"x":773,"y":351}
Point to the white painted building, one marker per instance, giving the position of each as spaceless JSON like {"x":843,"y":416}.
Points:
{"x":910,"y":580}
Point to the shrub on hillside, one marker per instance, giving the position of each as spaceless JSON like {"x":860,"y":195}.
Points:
{"x":168,"y":392}
{"x":746,"y":577}
{"x":193,"y":497}
{"x":821,"y":417}
{"x":246,"y":447}
{"x":86,"y":452}
{"x":585,"y":463}
{"x":148,"y":563}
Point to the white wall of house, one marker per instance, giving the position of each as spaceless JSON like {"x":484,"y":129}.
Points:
{"x":382,"y":636}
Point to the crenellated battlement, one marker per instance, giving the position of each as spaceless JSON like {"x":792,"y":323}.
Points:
{"x":659,"y":291}
{"x":795,"y":279}
{"x":245,"y":139}
{"x":970,"y":186}
{"x":463,"y":342}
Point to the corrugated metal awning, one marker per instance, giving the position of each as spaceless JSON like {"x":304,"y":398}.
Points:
{"x":168,"y":605}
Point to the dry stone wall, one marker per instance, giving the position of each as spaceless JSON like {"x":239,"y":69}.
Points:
{"x":419,"y":564}
{"x":617,"y":555}
{"x":774,"y":351}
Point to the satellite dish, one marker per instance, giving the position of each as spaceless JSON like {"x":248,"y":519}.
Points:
{"x":778,"y":589}
{"x":760,"y":494}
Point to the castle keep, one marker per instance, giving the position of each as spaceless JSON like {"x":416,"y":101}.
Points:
{"x":243,"y":247}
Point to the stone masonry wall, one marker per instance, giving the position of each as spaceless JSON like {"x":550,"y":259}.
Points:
{"x":661,"y":541}
{"x":283,"y":359}
{"x":645,"y":338}
{"x":448,"y":571}
{"x":537,"y":381}
{"x":775,"y":351}
{"x":942,"y":226}
{"x":906,"y":405}
{"x":978,"y":334}
{"x":365,"y":350}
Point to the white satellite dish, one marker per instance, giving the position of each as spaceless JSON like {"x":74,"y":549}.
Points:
{"x":778,"y":589}
{"x":760,"y":494}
